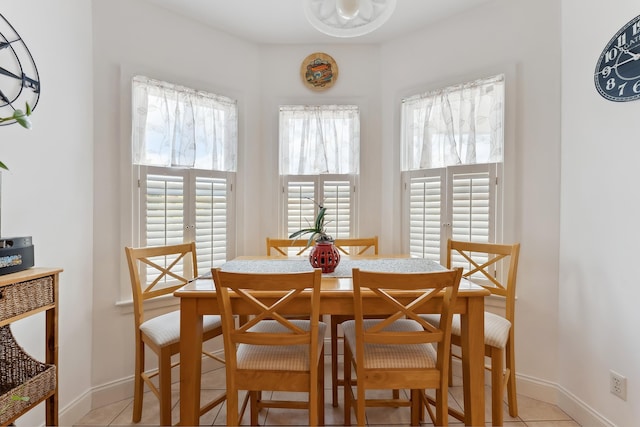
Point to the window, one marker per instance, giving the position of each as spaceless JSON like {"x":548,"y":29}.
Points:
{"x":452,"y":155}
{"x":319,"y":162}
{"x":184,"y":158}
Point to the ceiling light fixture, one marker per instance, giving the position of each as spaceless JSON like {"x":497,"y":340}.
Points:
{"x":348,"y":18}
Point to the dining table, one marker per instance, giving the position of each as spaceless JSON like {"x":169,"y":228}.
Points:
{"x":198,"y":298}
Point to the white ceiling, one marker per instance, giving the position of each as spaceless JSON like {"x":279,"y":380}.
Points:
{"x":284,"y":21}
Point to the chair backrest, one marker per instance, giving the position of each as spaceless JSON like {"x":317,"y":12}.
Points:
{"x":494,"y":265}
{"x":282,"y":246}
{"x":357,"y":246}
{"x":405,"y":296}
{"x":159,"y":270}
{"x":274,"y":296}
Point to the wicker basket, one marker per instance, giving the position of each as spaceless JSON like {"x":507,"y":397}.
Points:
{"x":21,"y":375}
{"x":23,"y":297}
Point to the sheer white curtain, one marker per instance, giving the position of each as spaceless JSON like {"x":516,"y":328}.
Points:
{"x":319,"y":139}
{"x":460,"y":124}
{"x":175,"y":126}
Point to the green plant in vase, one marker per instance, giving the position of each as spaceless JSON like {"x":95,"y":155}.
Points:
{"x":318,"y":231}
{"x":324,"y":254}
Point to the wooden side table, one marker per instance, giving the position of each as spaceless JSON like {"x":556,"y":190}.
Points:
{"x":24,"y":294}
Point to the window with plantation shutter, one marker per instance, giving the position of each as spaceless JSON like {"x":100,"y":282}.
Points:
{"x":319,"y":163}
{"x":184,"y":146}
{"x":452,"y":144}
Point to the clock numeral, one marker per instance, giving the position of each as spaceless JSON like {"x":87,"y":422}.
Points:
{"x":636,"y":28}
{"x":606,"y":71}
{"x":621,"y":88}
{"x":611,"y":54}
{"x":611,"y":85}
{"x":622,"y":39}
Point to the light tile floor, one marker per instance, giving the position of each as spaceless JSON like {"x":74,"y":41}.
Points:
{"x":531,"y":412}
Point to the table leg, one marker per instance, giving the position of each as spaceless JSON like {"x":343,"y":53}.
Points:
{"x":472,"y":335}
{"x":190,"y":362}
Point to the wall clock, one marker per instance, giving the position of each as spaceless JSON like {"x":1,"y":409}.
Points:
{"x":617,"y":74}
{"x":319,"y":71}
{"x":19,"y":79}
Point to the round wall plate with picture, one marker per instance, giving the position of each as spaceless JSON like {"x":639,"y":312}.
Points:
{"x":319,"y":71}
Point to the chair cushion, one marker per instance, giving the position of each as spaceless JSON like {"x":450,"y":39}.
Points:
{"x":278,"y":357}
{"x":389,"y":356}
{"x":496,"y":328}
{"x":165,"y":329}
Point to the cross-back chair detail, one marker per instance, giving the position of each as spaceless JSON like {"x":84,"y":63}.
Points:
{"x":494,"y":267}
{"x":281,"y":247}
{"x":395,"y":351}
{"x":271,"y":351}
{"x":155,"y":272}
{"x":357,"y":246}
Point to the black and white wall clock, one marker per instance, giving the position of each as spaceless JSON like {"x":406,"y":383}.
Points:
{"x":617,"y":74}
{"x":19,"y":79}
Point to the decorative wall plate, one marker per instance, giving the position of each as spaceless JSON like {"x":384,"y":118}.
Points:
{"x":319,"y":71}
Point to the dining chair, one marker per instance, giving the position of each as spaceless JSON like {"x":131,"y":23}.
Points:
{"x":281,"y":247}
{"x":357,"y":245}
{"x":348,"y":246}
{"x":157,"y":272}
{"x":494,"y":267}
{"x":271,"y":352}
{"x":397,"y":351}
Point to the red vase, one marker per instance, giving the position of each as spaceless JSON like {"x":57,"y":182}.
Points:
{"x":324,"y":255}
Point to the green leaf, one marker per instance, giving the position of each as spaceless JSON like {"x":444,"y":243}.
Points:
{"x":22,"y":119}
{"x":3,"y":166}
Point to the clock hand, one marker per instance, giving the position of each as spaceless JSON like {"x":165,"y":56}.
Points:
{"x":4,"y":45}
{"x":9,"y":73}
{"x":26,"y":81}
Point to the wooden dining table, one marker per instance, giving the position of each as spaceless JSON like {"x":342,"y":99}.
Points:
{"x":198,"y":298}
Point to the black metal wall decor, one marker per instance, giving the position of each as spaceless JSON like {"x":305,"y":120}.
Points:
{"x":19,"y":78}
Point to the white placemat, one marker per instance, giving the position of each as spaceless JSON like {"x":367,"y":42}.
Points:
{"x":344,"y":268}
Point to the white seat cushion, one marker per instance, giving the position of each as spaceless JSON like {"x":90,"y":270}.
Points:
{"x":389,"y":356}
{"x":165,"y":329}
{"x":278,"y":357}
{"x":496,"y":328}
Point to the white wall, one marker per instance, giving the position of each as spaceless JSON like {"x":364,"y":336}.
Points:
{"x":47,"y":194}
{"x":131,"y":38}
{"x":488,"y":40}
{"x":599,"y":233}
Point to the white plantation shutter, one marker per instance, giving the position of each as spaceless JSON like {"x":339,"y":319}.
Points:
{"x":164,"y":205}
{"x":211,"y":222}
{"x":334,"y":193}
{"x":337,"y":200}
{"x":458,"y":202}
{"x":301,"y":211}
{"x":425,"y":214}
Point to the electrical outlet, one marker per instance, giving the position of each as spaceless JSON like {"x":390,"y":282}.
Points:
{"x":618,"y":385}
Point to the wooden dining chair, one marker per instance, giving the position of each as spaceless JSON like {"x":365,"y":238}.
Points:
{"x":157,"y":272}
{"x":493,"y":266}
{"x":397,"y":351}
{"x":348,"y":246}
{"x":271,"y":352}
{"x":282,"y":247}
{"x":357,"y":246}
